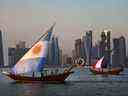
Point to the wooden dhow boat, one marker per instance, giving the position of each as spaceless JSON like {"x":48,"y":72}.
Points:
{"x":34,"y":61}
{"x":98,"y":70}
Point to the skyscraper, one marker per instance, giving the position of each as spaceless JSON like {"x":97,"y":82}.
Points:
{"x":11,"y":56}
{"x":16,"y":53}
{"x":64,"y":59}
{"x":53,"y":51}
{"x":88,"y":46}
{"x":49,"y":57}
{"x":122,"y":50}
{"x":3,"y":49}
{"x":102,"y":44}
{"x":95,"y":50}
{"x":104,"y":48}
{"x":74,"y":54}
{"x":116,"y":53}
{"x":60,"y":56}
{"x":79,"y":48}
{"x":119,"y":52}
{"x":108,"y":45}
{"x":57,"y":50}
{"x":20,"y":50}
{"x":22,"y":44}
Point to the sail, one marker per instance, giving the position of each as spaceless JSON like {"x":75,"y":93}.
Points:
{"x":35,"y":58}
{"x":99,"y":63}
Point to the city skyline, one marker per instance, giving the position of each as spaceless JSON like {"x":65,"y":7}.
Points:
{"x":28,"y":19}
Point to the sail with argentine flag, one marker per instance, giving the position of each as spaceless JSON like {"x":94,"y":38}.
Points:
{"x":27,"y":68}
{"x":35,"y":58}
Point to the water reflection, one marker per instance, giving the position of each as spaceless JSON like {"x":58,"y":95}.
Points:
{"x":81,"y":83}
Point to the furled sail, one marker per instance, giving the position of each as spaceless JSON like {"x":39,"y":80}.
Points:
{"x":35,"y":58}
{"x":99,"y":63}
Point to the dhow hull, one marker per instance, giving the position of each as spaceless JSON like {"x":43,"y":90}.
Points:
{"x":106,"y":71}
{"x":59,"y":78}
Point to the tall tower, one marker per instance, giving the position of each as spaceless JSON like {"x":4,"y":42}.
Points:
{"x":102,"y":44}
{"x":88,"y":46}
{"x":54,"y":51}
{"x":3,"y":49}
{"x":116,"y":53}
{"x":78,"y":48}
{"x":122,"y":50}
{"x":108,"y":45}
{"x":119,"y":52}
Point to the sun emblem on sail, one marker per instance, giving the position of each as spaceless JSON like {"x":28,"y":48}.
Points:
{"x":37,"y":48}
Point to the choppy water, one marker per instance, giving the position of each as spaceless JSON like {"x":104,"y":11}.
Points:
{"x":81,"y":83}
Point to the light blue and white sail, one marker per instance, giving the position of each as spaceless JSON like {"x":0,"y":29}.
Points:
{"x":35,"y":58}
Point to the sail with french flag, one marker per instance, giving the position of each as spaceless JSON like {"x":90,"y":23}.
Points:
{"x":35,"y":58}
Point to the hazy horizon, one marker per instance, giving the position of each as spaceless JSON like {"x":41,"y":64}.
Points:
{"x":28,"y":19}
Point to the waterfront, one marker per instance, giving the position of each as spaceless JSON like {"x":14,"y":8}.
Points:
{"x":81,"y":83}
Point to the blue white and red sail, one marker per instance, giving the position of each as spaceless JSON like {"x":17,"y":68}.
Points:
{"x":35,"y":58}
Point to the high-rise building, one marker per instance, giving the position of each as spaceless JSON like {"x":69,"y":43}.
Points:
{"x":116,"y":53}
{"x":16,"y":53}
{"x":119,"y":52}
{"x":22,"y":44}
{"x":102,"y":44}
{"x":57,"y":50}
{"x":69,"y":60}
{"x":3,"y":49}
{"x":83,"y":48}
{"x":79,"y":49}
{"x":122,"y":50}
{"x":108,"y":45}
{"x":60,"y":56}
{"x":64,"y":59}
{"x":88,"y":46}
{"x":11,"y":56}
{"x":74,"y":54}
{"x":49,"y":56}
{"x":95,"y":50}
{"x":104,"y":48}
{"x":53,"y":51}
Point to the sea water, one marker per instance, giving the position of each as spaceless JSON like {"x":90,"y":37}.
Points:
{"x":81,"y":83}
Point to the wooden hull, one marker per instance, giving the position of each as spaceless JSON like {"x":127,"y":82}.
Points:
{"x":106,"y":71}
{"x":60,"y":78}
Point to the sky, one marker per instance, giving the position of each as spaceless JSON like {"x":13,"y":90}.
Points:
{"x":28,"y":19}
